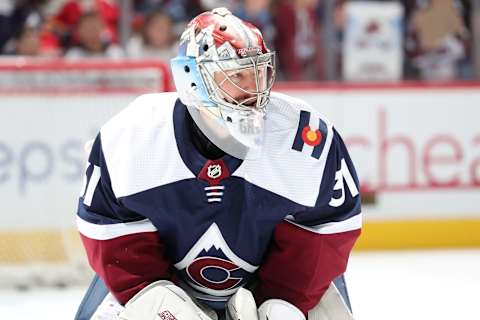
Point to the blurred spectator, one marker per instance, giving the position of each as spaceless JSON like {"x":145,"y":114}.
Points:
{"x":91,"y":39}
{"x":180,"y":11}
{"x":437,"y":39}
{"x":33,"y":42}
{"x":298,"y":40}
{"x":28,"y":43}
{"x":211,"y":4}
{"x":258,"y":13}
{"x":69,"y":14}
{"x":24,"y":21}
{"x":335,"y":39}
{"x":7,"y":23}
{"x":157,"y":39}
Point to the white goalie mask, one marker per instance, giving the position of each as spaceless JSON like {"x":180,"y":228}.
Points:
{"x":224,"y":74}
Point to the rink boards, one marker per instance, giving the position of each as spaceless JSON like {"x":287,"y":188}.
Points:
{"x":416,"y":148}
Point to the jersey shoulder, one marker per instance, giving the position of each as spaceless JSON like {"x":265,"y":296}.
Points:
{"x":297,"y":142}
{"x":145,"y":112}
{"x":286,"y":104}
{"x":303,"y":127}
{"x":140,"y":148}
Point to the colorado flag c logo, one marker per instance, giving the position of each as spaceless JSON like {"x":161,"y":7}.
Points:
{"x":314,"y":137}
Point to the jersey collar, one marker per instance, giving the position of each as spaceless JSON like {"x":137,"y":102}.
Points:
{"x":192,"y":158}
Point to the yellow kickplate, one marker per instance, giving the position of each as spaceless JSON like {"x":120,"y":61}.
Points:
{"x":49,"y":246}
{"x":419,"y":234}
{"x":52,"y":246}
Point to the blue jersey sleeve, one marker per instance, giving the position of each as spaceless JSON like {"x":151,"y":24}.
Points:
{"x":314,"y":245}
{"x":98,"y":203}
{"x":339,"y":197}
{"x":123,"y":247}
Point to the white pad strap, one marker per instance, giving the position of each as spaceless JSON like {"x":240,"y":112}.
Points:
{"x":331,"y":307}
{"x":164,"y":300}
{"x":277,"y":309}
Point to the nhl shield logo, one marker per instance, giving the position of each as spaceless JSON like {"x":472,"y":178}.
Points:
{"x":214,"y":171}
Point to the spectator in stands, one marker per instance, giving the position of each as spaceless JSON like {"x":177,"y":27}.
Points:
{"x":211,"y":4}
{"x":7,"y":24}
{"x":91,"y":41}
{"x":157,"y":39}
{"x":180,"y":11}
{"x":437,"y":39}
{"x":298,"y":40}
{"x":69,"y":14}
{"x":259,"y":13}
{"x":25,"y":21}
{"x":27,"y":43}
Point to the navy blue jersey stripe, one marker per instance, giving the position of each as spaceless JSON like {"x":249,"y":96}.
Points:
{"x":102,"y":218}
{"x":302,"y":123}
{"x":317,"y":150}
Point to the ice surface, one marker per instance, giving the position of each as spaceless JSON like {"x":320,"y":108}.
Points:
{"x":440,"y":285}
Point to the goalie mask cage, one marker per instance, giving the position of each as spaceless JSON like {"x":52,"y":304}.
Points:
{"x":49,"y":110}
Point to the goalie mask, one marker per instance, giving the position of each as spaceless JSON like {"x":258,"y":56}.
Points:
{"x":223,"y":74}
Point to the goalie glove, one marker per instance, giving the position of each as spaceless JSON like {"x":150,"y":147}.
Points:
{"x":277,"y":309}
{"x":166,"y":301}
{"x":241,"y":306}
{"x":331,"y":307}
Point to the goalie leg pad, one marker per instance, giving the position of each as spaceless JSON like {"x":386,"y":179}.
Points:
{"x":108,"y":309}
{"x":277,"y":309}
{"x":332,"y":306}
{"x":93,"y":298}
{"x":165,"y":300}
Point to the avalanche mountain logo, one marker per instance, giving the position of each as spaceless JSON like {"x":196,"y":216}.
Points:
{"x":211,"y":274}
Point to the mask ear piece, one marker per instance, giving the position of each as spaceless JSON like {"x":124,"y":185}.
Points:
{"x":189,"y":83}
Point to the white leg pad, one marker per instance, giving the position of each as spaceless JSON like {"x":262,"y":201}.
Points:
{"x":331,"y":307}
{"x":109,"y":309}
{"x":166,"y":301}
